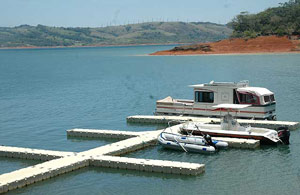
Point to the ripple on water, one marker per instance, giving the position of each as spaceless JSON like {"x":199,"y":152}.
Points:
{"x":45,"y":92}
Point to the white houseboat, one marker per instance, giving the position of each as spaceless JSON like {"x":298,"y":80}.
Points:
{"x":261,"y":100}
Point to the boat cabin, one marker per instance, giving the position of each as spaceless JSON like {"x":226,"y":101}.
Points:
{"x":232,"y":93}
{"x":261,"y":101}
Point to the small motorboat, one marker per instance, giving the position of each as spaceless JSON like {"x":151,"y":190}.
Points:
{"x":229,"y":127}
{"x":190,"y":143}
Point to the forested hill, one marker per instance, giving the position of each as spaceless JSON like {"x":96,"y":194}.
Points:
{"x":282,"y":20}
{"x":143,"y":33}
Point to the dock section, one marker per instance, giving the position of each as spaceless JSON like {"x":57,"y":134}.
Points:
{"x":97,"y":133}
{"x":32,"y":154}
{"x":43,"y":171}
{"x":134,"y":144}
{"x":239,"y":143}
{"x":62,"y":162}
{"x":181,"y":119}
{"x":126,"y":146}
{"x":46,"y":170}
{"x":148,"y":165}
{"x":59,"y":162}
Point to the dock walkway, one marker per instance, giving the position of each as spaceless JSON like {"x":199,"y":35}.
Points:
{"x":97,"y":133}
{"x":130,"y":146}
{"x":58,"y":162}
{"x":181,"y":119}
{"x":32,"y":154}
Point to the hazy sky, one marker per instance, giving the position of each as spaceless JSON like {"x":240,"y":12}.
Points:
{"x":93,"y":13}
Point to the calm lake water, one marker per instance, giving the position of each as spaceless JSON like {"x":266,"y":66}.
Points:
{"x":44,"y":92}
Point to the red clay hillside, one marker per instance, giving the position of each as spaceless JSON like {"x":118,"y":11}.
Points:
{"x":262,"y":44}
{"x":274,"y":30}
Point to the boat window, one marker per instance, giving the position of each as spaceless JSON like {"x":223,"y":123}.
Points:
{"x":272,"y":98}
{"x":248,"y":98}
{"x":235,"y":98}
{"x":204,"y":96}
{"x":267,"y":98}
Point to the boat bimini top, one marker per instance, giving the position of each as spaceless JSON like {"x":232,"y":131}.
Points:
{"x":228,"y":122}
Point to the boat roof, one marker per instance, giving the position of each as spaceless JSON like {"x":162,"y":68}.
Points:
{"x":260,"y":91}
{"x":224,"y":84}
{"x":232,"y":106}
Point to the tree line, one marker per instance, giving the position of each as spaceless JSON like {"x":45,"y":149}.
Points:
{"x":281,"y":20}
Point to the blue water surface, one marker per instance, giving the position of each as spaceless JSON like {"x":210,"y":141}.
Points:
{"x":44,"y":92}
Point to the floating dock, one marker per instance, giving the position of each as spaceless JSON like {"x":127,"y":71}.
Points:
{"x":43,"y":171}
{"x":32,"y":154}
{"x":181,"y":119}
{"x":239,"y":143}
{"x":131,"y":146}
{"x":126,"y":146}
{"x":97,"y":133}
{"x":148,"y":165}
{"x":46,"y":170}
{"x":58,"y":162}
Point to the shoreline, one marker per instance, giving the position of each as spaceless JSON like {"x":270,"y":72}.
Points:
{"x":91,"y":46}
{"x":237,"y":46}
{"x":228,"y":54}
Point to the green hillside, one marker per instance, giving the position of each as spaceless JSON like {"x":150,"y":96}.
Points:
{"x":144,"y":33}
{"x":282,"y":20}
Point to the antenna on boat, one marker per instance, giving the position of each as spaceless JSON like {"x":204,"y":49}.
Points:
{"x":169,"y":124}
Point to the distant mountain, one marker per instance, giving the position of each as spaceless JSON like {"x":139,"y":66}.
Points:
{"x":143,"y":33}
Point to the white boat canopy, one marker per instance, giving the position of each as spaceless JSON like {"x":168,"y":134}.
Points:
{"x":260,"y":91}
{"x":232,"y":106}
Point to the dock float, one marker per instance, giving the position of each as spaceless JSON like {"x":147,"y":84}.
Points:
{"x":239,"y":143}
{"x":43,"y":171}
{"x":32,"y":154}
{"x":133,"y":144}
{"x":182,"y":119}
{"x":126,"y":146}
{"x":148,"y":165}
{"x":46,"y":170}
{"x":58,"y":162}
{"x":96,"y":133}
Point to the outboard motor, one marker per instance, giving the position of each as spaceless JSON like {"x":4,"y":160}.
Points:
{"x":208,"y":140}
{"x":284,"y":135}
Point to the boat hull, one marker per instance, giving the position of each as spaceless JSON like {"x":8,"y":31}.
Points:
{"x":263,"y":140}
{"x":196,"y":140}
{"x":185,"y":146}
{"x":190,"y":108}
